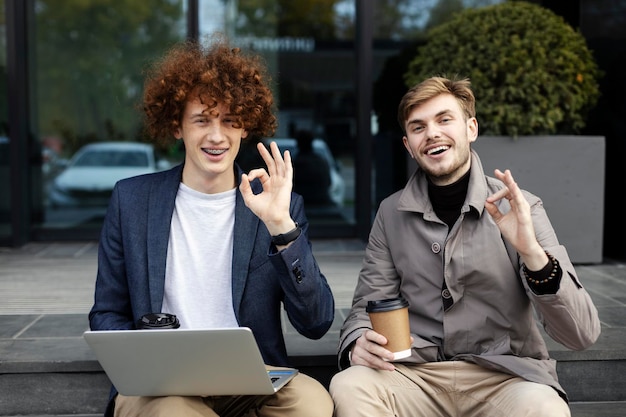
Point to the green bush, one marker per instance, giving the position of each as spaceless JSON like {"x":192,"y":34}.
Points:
{"x":531,"y":72}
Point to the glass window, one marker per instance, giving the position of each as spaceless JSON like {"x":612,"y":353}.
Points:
{"x":400,"y":28}
{"x":87,"y":61}
{"x":603,"y":19}
{"x":88,"y":80}
{"x":309,"y":49}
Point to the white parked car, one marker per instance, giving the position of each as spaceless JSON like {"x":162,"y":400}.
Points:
{"x":337,"y":187}
{"x":90,"y":175}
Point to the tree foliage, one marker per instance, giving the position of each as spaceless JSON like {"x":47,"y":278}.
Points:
{"x":302,"y":18}
{"x":531,"y":72}
{"x":328,"y":19}
{"x":89,"y":60}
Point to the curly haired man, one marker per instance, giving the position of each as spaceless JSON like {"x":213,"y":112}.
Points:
{"x":208,"y":243}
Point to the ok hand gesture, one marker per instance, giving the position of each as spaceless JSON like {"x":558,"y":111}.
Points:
{"x":272,"y":204}
{"x":516,"y":226}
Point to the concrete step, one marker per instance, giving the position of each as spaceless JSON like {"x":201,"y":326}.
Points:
{"x":56,"y":376}
{"x":583,"y":409}
{"x":598,"y":409}
{"x":53,"y":389}
{"x":595,"y":374}
{"x":596,"y":387}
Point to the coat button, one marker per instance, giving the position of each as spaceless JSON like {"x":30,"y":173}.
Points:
{"x":435,"y":247}
{"x":446,"y":294}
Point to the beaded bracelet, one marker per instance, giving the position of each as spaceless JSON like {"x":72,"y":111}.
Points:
{"x":553,"y":272}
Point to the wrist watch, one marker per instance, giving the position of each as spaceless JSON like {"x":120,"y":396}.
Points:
{"x":285,"y":238}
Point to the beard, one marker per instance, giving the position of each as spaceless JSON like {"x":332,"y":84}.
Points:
{"x":448,"y":172}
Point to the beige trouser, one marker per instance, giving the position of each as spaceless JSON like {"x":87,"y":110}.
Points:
{"x":450,"y":389}
{"x":303,"y":396}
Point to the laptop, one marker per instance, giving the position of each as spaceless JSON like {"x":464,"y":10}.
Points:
{"x":207,"y":362}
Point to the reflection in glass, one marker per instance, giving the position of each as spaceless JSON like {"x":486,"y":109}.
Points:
{"x":315,"y":165}
{"x":400,"y":28}
{"x":317,"y":175}
{"x":89,"y":64}
{"x":91,"y":174}
{"x":87,"y":80}
{"x":308,"y":46}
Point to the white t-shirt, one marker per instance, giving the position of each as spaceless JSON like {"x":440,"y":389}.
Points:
{"x":198,"y":274}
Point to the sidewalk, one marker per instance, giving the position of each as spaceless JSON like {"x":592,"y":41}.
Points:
{"x":59,"y":278}
{"x":46,"y":291}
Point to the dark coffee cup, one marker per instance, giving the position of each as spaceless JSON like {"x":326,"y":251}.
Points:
{"x":158,"y":321}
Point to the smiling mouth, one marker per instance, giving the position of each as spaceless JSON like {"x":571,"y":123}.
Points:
{"x":437,"y":150}
{"x":214,"y":151}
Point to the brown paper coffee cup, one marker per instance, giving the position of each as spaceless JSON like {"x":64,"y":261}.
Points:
{"x":390,"y":318}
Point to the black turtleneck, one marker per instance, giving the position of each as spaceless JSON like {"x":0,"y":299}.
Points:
{"x":447,"y":200}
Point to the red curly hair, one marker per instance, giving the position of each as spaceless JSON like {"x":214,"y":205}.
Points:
{"x":216,"y":73}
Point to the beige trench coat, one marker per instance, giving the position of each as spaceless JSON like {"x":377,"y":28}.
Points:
{"x":491,"y":321}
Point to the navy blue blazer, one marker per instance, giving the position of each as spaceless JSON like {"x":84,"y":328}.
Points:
{"x":133,"y":252}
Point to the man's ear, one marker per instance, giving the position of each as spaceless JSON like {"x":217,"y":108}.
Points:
{"x":178,"y":134}
{"x":244,"y":134}
{"x":405,"y":140}
{"x":472,"y":129}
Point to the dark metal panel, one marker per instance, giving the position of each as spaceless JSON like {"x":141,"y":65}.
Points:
{"x":363,"y":177}
{"x":18,"y":97}
{"x":193,"y":20}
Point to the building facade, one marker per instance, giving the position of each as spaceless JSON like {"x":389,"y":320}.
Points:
{"x":71,"y":74}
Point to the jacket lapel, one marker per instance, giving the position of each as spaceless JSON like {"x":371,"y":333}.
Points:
{"x":162,"y":197}
{"x":245,"y":233}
